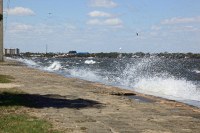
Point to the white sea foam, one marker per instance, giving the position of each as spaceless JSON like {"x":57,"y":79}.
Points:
{"x":139,"y":77}
{"x":171,"y":88}
{"x":55,"y":66}
{"x":90,"y":62}
{"x":85,"y":74}
{"x":28,"y":62}
{"x":196,"y":71}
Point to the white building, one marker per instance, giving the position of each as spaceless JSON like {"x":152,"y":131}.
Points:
{"x":11,"y":52}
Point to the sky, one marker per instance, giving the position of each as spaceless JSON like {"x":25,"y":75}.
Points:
{"x":102,"y":25}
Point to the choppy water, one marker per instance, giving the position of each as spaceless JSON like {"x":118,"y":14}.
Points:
{"x":176,"y":79}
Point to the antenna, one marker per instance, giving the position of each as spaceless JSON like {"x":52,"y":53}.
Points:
{"x":46,"y":48}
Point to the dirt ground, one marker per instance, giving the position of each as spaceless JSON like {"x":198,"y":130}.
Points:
{"x":77,"y":106}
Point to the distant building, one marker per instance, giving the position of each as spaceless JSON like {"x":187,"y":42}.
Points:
{"x":11,"y":52}
{"x":72,"y":52}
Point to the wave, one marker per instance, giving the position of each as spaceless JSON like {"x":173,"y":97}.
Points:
{"x":143,"y":77}
{"x":28,"y":62}
{"x":85,"y":74}
{"x":170,"y":88}
{"x":196,"y":71}
{"x":55,"y":66}
{"x":90,"y":62}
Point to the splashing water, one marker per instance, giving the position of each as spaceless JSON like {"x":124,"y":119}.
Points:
{"x":196,"y":71}
{"x":28,"y":62}
{"x":143,"y":77}
{"x":171,"y":79}
{"x":171,"y":88}
{"x":85,"y":74}
{"x":90,"y":62}
{"x":55,"y":66}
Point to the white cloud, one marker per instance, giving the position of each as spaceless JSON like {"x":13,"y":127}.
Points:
{"x":113,"y":21}
{"x":103,"y":3}
{"x":99,"y":14}
{"x":95,"y":22}
{"x":20,"y":11}
{"x":184,"y":29}
{"x":106,"y":22}
{"x":17,"y":27}
{"x":177,"y":20}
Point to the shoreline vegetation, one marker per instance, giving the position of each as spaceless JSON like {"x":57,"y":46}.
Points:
{"x":47,"y":102}
{"x":114,"y":55}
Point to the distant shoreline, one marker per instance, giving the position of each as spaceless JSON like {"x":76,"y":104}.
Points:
{"x":112,"y":55}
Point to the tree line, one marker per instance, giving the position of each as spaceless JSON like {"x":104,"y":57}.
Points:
{"x":116,"y":55}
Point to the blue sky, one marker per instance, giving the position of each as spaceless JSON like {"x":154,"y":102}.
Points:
{"x":102,"y":25}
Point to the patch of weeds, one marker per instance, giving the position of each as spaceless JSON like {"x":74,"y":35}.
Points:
{"x":83,"y":128}
{"x":6,"y":79}
{"x":69,"y":130}
{"x":22,"y":123}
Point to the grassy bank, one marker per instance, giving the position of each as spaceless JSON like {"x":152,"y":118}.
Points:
{"x":13,"y":114}
{"x":22,"y":123}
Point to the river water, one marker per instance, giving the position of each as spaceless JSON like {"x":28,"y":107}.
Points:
{"x":175,"y":79}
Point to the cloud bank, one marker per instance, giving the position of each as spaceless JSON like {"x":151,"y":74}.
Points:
{"x":20,"y":11}
{"x":103,"y":3}
{"x":106,"y":22}
{"x":99,"y":14}
{"x":177,"y":20}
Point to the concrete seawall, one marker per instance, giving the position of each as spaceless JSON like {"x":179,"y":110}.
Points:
{"x":74,"y":105}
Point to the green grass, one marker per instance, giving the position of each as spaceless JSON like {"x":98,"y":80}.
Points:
{"x":22,"y":123}
{"x":12,"y":116}
{"x":6,"y":79}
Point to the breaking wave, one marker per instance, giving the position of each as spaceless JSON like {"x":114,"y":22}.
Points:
{"x":90,"y":62}
{"x":196,"y":71}
{"x":28,"y":62}
{"x":55,"y":66}
{"x":171,"y":88}
{"x":144,"y":77}
{"x":85,"y":74}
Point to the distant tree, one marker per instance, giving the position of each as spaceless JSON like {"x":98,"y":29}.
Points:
{"x":27,"y":54}
{"x":140,"y":54}
{"x":49,"y":55}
